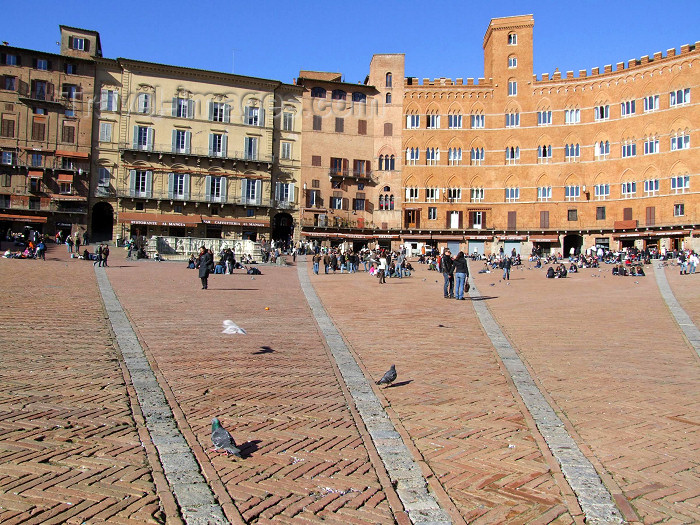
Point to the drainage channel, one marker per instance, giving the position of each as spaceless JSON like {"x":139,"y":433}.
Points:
{"x":679,"y":314}
{"x":196,"y":500}
{"x":593,"y":496}
{"x":404,"y":472}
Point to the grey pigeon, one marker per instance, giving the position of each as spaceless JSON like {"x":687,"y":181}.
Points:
{"x":389,"y":377}
{"x":222,"y":440}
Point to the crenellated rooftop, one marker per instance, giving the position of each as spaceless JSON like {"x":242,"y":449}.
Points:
{"x":446,"y":82}
{"x":620,"y":66}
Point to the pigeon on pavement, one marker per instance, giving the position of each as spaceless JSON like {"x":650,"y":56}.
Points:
{"x":389,"y":377}
{"x":222,"y":440}
{"x":232,"y":328}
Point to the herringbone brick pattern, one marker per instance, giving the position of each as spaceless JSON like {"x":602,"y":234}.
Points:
{"x":615,"y":362}
{"x":69,"y":448}
{"x":450,"y":395}
{"x":274,"y":389}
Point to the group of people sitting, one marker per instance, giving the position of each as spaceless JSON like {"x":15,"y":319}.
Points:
{"x":559,"y":273}
{"x":227,"y":262}
{"x":634,"y":270}
{"x":32,"y":250}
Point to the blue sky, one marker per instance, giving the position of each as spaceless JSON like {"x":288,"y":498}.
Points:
{"x":275,"y":39}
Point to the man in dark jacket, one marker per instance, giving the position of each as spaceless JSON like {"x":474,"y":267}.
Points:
{"x":205,"y":262}
{"x":447,"y":269}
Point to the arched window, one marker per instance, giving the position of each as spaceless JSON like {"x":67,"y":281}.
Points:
{"x":512,"y":39}
{"x":391,"y":163}
{"x":318,"y":92}
{"x":388,"y":98}
{"x":391,"y":202}
{"x":359,"y":97}
{"x":388,"y":80}
{"x":381,"y":202}
{"x":387,"y":188}
{"x":381,"y":162}
{"x":338,"y":94}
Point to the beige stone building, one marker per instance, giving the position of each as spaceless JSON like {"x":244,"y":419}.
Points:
{"x":45,"y":134}
{"x":567,"y":161}
{"x":351,"y":160}
{"x":182,"y":152}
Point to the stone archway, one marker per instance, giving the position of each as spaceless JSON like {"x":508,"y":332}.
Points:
{"x":283,"y":229}
{"x":102,"y":227}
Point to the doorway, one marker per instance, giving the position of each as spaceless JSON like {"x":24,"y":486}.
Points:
{"x":102,"y":225}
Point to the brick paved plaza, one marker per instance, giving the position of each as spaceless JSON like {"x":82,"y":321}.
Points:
{"x":605,"y":352}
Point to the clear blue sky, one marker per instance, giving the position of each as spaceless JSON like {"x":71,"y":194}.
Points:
{"x":275,"y":39}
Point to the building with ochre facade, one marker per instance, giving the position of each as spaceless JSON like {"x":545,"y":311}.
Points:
{"x":556,"y":162}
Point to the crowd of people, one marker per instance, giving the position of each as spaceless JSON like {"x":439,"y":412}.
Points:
{"x":378,"y":262}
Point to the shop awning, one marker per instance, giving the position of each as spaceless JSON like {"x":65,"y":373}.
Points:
{"x":668,"y":233}
{"x":448,"y":237}
{"x":544,"y":238}
{"x":158,"y":219}
{"x":34,"y":174}
{"x":356,"y":236}
{"x":65,"y":177}
{"x":223,"y":221}
{"x":21,"y":218}
{"x":62,"y":197}
{"x":478,"y":237}
{"x":385,"y":236}
{"x":414,"y":237}
{"x":73,"y":154}
{"x":513,"y":237}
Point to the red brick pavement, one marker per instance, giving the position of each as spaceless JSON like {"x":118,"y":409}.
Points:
{"x":69,"y":448}
{"x":274,"y":389}
{"x":614,"y":361}
{"x":451,"y":396}
{"x":686,"y":289}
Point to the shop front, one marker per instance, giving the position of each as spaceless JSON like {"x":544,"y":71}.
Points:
{"x":477,"y":244}
{"x":545,"y":244}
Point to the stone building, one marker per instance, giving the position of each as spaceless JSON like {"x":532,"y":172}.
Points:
{"x":45,"y":134}
{"x":182,"y":152}
{"x":559,"y":161}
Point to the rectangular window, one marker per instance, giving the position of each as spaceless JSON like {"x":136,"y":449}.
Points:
{"x":572,"y":116}
{"x":7,"y":129}
{"x":316,"y":160}
{"x":143,"y":138}
{"x":544,"y":118}
{"x":478,"y":220}
{"x":42,"y":64}
{"x":362,"y":127}
{"x":286,"y":150}
{"x":180,"y":141}
{"x":512,"y":194}
{"x":602,"y":191}
{"x":651,"y":103}
{"x":65,"y":188}
{"x":629,"y":189}
{"x":433,"y":121}
{"x":38,"y":130}
{"x":454,"y":121}
{"x":317,"y":122}
{"x":77,"y":43}
{"x":104,"y":177}
{"x":544,"y":193}
{"x":572,"y":193}
{"x":680,"y":183}
{"x":284,"y":192}
{"x":4,"y":199}
{"x":105,"y":132}
{"x":651,"y":187}
{"x":512,"y":220}
{"x":252,"y":116}
{"x":183,"y":108}
{"x":477,"y":194}
{"x":67,"y":163}
{"x":432,"y":213}
{"x":9,"y":83}
{"x":337,"y":203}
{"x":680,"y":97}
{"x":218,"y":145}
{"x":512,"y":62}
{"x":11,"y":60}
{"x":411,"y":194}
{"x":600,"y":213}
{"x":412,"y":121}
{"x":288,"y":121}
{"x":71,"y":69}
{"x":512,"y":120}
{"x":544,"y":219}
{"x":68,"y":134}
{"x":678,"y":210}
{"x":478,"y":121}
{"x":651,"y":146}
{"x":512,"y":88}
{"x":627,"y":108}
{"x":37,"y":160}
{"x":432,"y":194}
{"x":388,"y":129}
{"x":178,"y":191}
{"x":629,"y":150}
{"x":8,"y":157}
{"x":70,"y":91}
{"x":602,"y":112}
{"x":6,"y":181}
{"x":140,"y":183}
{"x":681,"y":141}
{"x":339,"y":125}
{"x":144,"y":103}
{"x":358,"y":204}
{"x":251,"y":148}
{"x":216,"y":185}
{"x":108,"y":100}
{"x":626,"y":214}
{"x":572,"y":215}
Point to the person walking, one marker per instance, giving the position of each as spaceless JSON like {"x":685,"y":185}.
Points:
{"x":447,"y":269}
{"x":317,"y":261}
{"x":383,"y":267}
{"x":77,"y":242}
{"x":507,"y":264}
{"x":461,"y":273}
{"x":69,"y":243}
{"x":98,"y":256}
{"x":105,"y":254}
{"x":204,"y":263}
